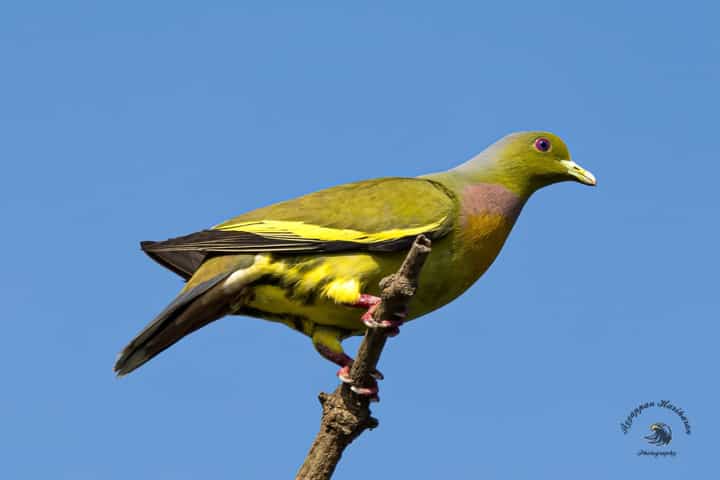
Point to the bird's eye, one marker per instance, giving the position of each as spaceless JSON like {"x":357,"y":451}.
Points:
{"x":542,"y":144}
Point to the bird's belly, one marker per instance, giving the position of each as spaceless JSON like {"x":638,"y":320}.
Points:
{"x":274,"y":303}
{"x":318,"y":289}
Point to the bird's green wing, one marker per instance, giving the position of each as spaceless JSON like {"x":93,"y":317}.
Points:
{"x":383,"y":215}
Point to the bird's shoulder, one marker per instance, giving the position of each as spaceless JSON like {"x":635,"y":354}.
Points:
{"x":369,"y":206}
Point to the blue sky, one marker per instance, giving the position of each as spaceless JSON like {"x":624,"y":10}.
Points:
{"x":121,"y":122}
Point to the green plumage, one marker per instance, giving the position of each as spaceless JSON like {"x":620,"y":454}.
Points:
{"x":377,"y":205}
{"x":305,"y":262}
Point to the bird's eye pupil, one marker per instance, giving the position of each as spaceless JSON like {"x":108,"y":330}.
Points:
{"x":542,"y":145}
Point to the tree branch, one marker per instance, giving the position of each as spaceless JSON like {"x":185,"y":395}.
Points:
{"x":345,"y":414}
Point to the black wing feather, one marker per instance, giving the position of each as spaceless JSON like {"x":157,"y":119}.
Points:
{"x":183,"y":255}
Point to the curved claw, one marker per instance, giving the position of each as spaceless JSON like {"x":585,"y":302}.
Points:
{"x":344,"y":374}
{"x":367,"y":391}
{"x":370,"y":322}
{"x":371,"y":392}
{"x":372,"y":303}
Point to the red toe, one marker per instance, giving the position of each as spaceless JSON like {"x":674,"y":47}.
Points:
{"x":344,"y":374}
{"x":365,"y":391}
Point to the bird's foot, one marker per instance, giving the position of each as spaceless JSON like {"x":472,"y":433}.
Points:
{"x":372,"y":303}
{"x":371,"y":391}
{"x":345,"y":362}
{"x":393,"y":326}
{"x":344,"y":374}
{"x":367,"y":301}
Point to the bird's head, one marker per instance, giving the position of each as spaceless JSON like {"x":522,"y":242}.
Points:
{"x":527,"y":161}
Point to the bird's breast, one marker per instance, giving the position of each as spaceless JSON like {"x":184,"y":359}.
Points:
{"x":487,"y":215}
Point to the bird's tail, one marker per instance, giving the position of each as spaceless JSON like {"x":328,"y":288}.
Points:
{"x":195,"y":307}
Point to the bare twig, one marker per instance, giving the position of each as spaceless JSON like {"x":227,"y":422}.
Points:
{"x":345,"y":414}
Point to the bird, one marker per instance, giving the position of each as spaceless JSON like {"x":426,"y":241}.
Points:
{"x":314,"y":262}
{"x":660,"y":435}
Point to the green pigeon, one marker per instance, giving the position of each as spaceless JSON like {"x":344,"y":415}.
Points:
{"x":313,"y":261}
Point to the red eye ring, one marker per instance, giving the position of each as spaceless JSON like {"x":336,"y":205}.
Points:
{"x":543,"y":145}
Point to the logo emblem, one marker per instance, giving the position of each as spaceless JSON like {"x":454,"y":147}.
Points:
{"x":660,"y":435}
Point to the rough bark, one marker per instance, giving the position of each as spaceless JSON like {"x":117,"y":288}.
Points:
{"x":346,"y":415}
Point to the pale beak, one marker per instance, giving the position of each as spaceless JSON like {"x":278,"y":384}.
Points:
{"x":579,"y":173}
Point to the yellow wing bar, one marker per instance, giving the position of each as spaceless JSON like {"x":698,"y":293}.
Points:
{"x":282,"y":229}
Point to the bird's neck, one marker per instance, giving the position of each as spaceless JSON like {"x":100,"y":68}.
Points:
{"x":484,"y":191}
{"x":490,"y":200}
{"x":485,"y":169}
{"x":486,"y":214}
